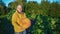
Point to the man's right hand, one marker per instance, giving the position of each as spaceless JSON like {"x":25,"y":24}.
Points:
{"x":22,"y":28}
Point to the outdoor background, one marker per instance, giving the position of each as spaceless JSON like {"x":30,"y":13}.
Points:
{"x":44,"y":15}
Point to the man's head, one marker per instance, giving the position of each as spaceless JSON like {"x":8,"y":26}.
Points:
{"x":19,"y":8}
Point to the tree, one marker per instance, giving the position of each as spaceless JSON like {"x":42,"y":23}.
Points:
{"x":2,"y":8}
{"x":54,"y":10}
{"x":44,"y":7}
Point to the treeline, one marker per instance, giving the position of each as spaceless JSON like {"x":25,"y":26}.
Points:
{"x":44,"y":8}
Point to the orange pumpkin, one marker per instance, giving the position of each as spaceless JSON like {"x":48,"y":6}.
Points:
{"x":26,"y":23}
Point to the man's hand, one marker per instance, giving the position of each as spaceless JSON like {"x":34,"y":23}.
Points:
{"x":22,"y":28}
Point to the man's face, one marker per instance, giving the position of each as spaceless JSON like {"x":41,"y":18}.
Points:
{"x":19,"y":8}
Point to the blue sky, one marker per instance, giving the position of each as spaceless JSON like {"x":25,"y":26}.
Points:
{"x":7,"y":1}
{"x":35,"y":0}
{"x":39,"y":1}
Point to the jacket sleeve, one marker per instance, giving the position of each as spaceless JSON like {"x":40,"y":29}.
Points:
{"x":14,"y":23}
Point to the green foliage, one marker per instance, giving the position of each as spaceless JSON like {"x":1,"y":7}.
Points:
{"x":54,"y":10}
{"x":2,"y":8}
{"x":44,"y":7}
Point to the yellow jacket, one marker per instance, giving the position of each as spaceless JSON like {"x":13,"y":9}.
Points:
{"x":16,"y":18}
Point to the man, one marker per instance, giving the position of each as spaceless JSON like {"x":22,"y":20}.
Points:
{"x":19,"y":21}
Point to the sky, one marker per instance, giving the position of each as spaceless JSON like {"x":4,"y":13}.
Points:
{"x":39,"y":1}
{"x":7,"y":1}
